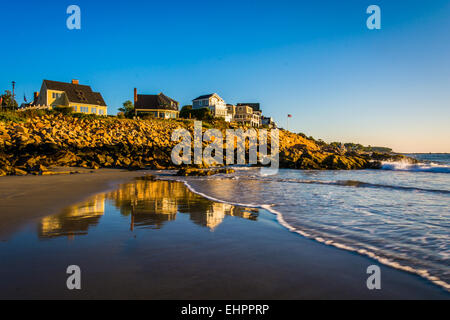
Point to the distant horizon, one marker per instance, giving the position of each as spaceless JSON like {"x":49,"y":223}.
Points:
{"x":316,"y":61}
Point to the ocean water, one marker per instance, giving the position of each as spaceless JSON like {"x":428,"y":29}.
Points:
{"x":399,"y":216}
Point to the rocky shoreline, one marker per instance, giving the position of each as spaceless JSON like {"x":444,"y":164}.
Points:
{"x":39,"y":142}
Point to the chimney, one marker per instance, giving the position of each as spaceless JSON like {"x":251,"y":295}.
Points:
{"x":135,"y":96}
{"x":75,"y":81}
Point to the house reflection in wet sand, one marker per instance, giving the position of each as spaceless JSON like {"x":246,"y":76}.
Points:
{"x":149,"y":204}
{"x":216,"y":212}
{"x":73,"y":221}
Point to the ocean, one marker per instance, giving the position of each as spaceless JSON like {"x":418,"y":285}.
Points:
{"x":399,"y":216}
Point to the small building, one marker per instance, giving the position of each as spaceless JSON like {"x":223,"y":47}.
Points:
{"x":80,"y":97}
{"x":247,"y":116}
{"x":268,"y":121}
{"x":214,"y":103}
{"x":255,"y":106}
{"x":156,"y":105}
{"x":231,"y":112}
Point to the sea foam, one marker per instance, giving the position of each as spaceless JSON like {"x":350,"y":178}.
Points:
{"x":362,"y":251}
{"x":418,"y":167}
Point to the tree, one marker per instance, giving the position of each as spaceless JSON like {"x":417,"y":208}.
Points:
{"x":203,"y":114}
{"x":127,"y":109}
{"x":185,"y":112}
{"x":8,"y":102}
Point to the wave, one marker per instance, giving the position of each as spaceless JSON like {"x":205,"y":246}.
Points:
{"x":418,"y":167}
{"x":307,"y":234}
{"x":359,"y":184}
{"x":350,"y":183}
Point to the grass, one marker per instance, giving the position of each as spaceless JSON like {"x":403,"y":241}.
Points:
{"x":22,"y":116}
{"x":9,"y":116}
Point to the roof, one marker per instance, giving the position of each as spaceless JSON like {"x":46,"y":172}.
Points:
{"x":254,"y":106}
{"x":77,"y":93}
{"x":206,"y":96}
{"x":155,"y":101}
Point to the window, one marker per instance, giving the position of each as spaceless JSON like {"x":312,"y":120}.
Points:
{"x":94,"y":110}
{"x":81,"y":96}
{"x":101,"y":112}
{"x":75,"y":108}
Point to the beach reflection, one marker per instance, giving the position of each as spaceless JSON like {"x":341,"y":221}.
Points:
{"x":74,"y":220}
{"x":148,"y":205}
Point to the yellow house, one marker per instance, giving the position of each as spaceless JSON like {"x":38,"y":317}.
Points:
{"x":80,"y":97}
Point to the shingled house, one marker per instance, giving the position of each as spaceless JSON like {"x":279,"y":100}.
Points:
{"x":80,"y":97}
{"x":214,"y":103}
{"x":156,"y":105}
{"x":255,"y":106}
{"x":246,"y":115}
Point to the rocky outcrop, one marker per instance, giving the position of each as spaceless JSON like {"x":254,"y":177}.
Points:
{"x":55,"y":140}
{"x":43,"y":141}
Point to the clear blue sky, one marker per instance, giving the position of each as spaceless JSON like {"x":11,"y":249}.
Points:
{"x":313,"y":59}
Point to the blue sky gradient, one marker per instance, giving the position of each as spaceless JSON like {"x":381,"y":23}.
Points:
{"x":315,"y":60}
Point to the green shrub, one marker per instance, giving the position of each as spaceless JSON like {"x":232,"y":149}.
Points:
{"x":87,"y":116}
{"x":32,"y":113}
{"x":202,"y":114}
{"x":9,"y":116}
{"x":147,"y":116}
{"x":64,"y":110}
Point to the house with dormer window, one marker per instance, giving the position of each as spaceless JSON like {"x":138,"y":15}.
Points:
{"x":80,"y":97}
{"x":156,"y":105}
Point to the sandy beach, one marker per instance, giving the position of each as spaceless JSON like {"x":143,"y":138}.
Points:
{"x":169,"y":244}
{"x":29,"y":197}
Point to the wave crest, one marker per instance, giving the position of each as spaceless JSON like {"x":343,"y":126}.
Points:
{"x":418,"y":167}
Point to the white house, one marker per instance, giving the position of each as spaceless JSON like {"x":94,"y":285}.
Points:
{"x":214,"y":103}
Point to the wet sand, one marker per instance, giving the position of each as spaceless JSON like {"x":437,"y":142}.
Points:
{"x":158,"y":240}
{"x":28,"y":197}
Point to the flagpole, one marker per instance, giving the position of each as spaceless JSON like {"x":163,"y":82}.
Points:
{"x":287,"y":121}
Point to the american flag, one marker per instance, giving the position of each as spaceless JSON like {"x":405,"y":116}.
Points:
{"x":289,"y":115}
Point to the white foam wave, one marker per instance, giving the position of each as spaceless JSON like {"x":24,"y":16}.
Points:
{"x":418,"y":167}
{"x":280,"y":218}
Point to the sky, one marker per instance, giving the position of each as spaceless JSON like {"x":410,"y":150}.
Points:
{"x":315,"y":60}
